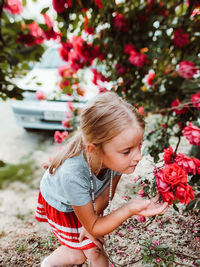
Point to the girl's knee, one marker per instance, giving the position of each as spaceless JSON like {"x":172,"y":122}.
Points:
{"x":80,"y":258}
{"x":94,"y":254}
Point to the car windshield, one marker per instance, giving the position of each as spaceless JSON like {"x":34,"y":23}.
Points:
{"x":50,"y":60}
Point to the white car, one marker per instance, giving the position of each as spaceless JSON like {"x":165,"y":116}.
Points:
{"x":31,"y":113}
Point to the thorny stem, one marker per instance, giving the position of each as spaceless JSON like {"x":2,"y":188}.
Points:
{"x":177,"y":145}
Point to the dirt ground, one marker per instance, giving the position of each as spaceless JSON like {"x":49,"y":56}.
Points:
{"x":25,"y":242}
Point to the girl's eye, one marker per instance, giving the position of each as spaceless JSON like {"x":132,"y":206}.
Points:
{"x":126,"y":152}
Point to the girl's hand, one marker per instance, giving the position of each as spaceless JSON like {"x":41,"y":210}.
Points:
{"x":147,"y":208}
{"x":98,"y":241}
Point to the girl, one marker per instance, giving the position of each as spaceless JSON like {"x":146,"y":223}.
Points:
{"x":82,"y":179}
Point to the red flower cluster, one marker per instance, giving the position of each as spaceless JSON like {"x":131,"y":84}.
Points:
{"x":97,"y":76}
{"x":59,"y":137}
{"x":61,"y":5}
{"x":135,"y":58}
{"x":171,"y":180}
{"x":35,"y":34}
{"x":120,"y":70}
{"x":176,"y":107}
{"x":13,"y":6}
{"x":78,"y":53}
{"x":120,"y":23}
{"x":89,"y":30}
{"x":181,"y":39}
{"x":195,"y":100}
{"x":192,"y":134}
{"x":187,"y":69}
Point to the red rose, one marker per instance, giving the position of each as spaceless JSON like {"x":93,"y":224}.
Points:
{"x":181,"y":39}
{"x":187,"y":69}
{"x":195,"y":100}
{"x":174,"y":174}
{"x":137,"y":59}
{"x":120,"y":70}
{"x":59,"y":5}
{"x":120,"y":23}
{"x":168,"y":197}
{"x":129,"y":48}
{"x":184,"y":193}
{"x":162,"y":186}
{"x":13,"y":6}
{"x":98,"y":3}
{"x":189,"y":165}
{"x":168,"y":155}
{"x":179,"y":110}
{"x":192,"y":133}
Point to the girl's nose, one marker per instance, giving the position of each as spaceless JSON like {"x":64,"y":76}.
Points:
{"x":138,"y":156}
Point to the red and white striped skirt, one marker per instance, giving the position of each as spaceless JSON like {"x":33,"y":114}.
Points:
{"x":65,"y":225}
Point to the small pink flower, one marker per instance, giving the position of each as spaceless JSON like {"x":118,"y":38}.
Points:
{"x":138,"y":248}
{"x":136,"y":179}
{"x":45,"y":165}
{"x":150,"y":77}
{"x":141,"y":193}
{"x":40,"y":95}
{"x":187,"y":69}
{"x":141,"y":218}
{"x":156,"y":243}
{"x":197,"y":239}
{"x":65,"y":124}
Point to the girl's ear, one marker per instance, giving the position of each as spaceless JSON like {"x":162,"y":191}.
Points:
{"x":90,"y":148}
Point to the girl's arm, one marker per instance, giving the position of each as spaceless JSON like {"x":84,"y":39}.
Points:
{"x":99,"y":226}
{"x":102,"y":200}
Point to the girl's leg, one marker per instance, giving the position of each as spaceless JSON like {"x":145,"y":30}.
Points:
{"x":64,"y":256}
{"x":96,"y":257}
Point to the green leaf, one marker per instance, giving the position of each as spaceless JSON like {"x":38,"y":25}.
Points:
{"x":175,"y":207}
{"x":44,"y":10}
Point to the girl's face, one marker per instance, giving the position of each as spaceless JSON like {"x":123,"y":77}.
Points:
{"x":123,"y":152}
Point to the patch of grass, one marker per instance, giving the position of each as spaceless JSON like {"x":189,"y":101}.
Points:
{"x":9,"y":173}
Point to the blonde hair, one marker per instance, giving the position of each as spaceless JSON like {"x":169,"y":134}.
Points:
{"x":106,"y":116}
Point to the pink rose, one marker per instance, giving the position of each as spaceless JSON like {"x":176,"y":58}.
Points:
{"x":192,"y":133}
{"x":187,"y":69}
{"x":13,"y":6}
{"x":195,"y":100}
{"x":58,"y":137}
{"x":189,"y":165}
{"x":181,"y":39}
{"x":179,"y":110}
